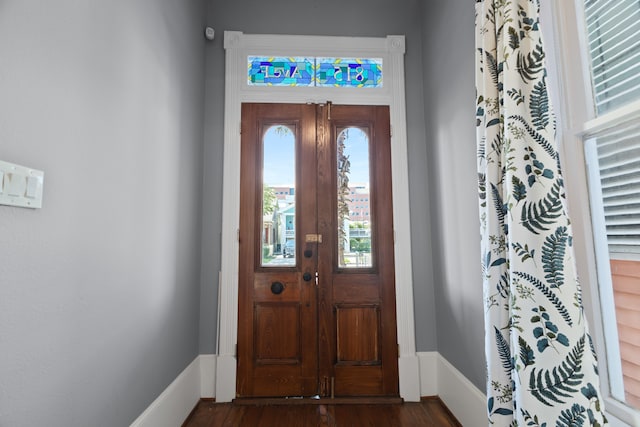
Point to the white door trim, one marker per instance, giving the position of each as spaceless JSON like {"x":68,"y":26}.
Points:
{"x":391,"y":49}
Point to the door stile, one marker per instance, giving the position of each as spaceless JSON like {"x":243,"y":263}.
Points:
{"x":383,"y":203}
{"x":326,"y":207}
{"x":308,"y":251}
{"x":249,"y":130}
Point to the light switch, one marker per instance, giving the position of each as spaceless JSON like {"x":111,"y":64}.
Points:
{"x":20,"y":186}
{"x":17,"y":184}
{"x":32,"y":187}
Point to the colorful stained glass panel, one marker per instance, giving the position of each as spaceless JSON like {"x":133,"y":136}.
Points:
{"x":348,"y":72}
{"x":280,"y":71}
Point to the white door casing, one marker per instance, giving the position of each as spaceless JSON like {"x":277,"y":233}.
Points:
{"x":391,"y":49}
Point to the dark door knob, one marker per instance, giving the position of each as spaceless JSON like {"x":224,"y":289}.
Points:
{"x":307,"y":276}
{"x":277,"y":288}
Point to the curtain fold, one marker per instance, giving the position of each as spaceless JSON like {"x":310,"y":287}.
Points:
{"x":542,"y":369}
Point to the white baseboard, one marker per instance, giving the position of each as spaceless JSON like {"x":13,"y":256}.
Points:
{"x":207,"y":376}
{"x":461,"y":396}
{"x":440,"y":378}
{"x":177,"y":401}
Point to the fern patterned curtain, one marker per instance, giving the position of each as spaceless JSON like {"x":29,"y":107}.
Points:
{"x":542,"y":369}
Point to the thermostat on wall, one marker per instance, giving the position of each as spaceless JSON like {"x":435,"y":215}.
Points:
{"x":20,"y":186}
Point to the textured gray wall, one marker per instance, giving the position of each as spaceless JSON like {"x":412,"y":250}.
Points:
{"x":450,"y":117}
{"x":376,"y":18}
{"x":99,"y":289}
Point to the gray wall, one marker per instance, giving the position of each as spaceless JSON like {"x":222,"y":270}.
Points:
{"x":309,"y":17}
{"x":99,"y":289}
{"x":450,"y":116}
{"x":104,"y":290}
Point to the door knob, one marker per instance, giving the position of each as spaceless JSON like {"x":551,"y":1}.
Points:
{"x":307,"y":276}
{"x":277,"y":288}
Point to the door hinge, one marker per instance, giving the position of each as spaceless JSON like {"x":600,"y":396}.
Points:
{"x":324,"y":386}
{"x":333,"y":387}
{"x":238,"y":234}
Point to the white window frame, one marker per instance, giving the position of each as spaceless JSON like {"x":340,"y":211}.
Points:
{"x":391,"y":49}
{"x":569,"y":71}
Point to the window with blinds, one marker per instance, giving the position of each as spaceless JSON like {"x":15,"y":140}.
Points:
{"x":616,"y":155}
{"x":613,"y":31}
{"x":612,"y":151}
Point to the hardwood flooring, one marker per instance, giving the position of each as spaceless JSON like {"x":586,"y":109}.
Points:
{"x":431,"y":412}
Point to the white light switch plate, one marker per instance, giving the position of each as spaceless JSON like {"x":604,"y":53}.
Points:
{"x":20,"y":186}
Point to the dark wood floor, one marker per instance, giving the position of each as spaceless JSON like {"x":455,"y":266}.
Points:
{"x":431,"y":412}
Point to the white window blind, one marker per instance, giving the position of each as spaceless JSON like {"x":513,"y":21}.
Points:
{"x":618,"y":157}
{"x":613,"y":30}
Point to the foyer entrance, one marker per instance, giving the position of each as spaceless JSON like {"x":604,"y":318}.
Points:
{"x":316,"y":279}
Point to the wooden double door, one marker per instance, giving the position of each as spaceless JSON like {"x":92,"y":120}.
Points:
{"x":316,"y":265}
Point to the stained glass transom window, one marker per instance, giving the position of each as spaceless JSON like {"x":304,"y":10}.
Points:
{"x":275,"y":71}
{"x":318,"y":72}
{"x":348,"y":72}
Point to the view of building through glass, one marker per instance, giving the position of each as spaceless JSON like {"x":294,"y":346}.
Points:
{"x":354,"y":214}
{"x":278,"y":200}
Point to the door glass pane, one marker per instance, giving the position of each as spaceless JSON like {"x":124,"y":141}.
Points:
{"x":354,"y":214}
{"x":278,"y":197}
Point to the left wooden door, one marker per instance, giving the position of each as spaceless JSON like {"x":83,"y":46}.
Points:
{"x":277,"y":331}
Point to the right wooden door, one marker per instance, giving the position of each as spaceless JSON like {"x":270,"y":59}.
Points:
{"x":316,"y":278}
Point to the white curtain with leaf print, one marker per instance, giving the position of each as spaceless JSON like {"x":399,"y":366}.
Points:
{"x":542,"y":369}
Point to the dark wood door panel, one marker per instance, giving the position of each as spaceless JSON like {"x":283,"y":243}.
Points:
{"x":357,"y":334}
{"x":359,"y":381}
{"x":277,"y":333}
{"x":356,"y":287}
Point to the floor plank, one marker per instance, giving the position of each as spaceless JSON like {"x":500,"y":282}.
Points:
{"x":431,"y":412}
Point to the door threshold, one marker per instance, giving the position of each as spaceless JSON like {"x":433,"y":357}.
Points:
{"x":364,"y":400}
